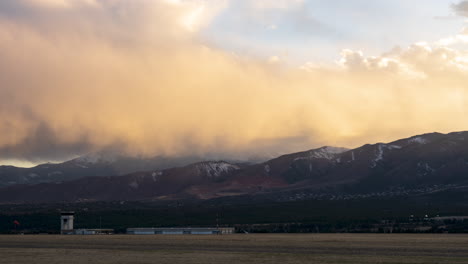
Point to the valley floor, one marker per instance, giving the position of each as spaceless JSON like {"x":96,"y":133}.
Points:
{"x":246,"y":248}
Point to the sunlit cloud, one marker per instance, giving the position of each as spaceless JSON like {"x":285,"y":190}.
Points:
{"x":138,"y":77}
{"x":61,"y":3}
{"x":460,"y":38}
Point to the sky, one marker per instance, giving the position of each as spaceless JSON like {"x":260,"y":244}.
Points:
{"x":229,"y":78}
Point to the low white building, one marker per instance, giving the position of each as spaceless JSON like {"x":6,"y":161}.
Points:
{"x":181,"y":231}
{"x":93,"y":231}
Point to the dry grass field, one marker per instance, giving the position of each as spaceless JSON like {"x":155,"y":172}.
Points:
{"x":249,"y":248}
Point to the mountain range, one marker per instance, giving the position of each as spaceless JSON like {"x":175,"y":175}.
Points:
{"x":420,"y":164}
{"x":97,"y":164}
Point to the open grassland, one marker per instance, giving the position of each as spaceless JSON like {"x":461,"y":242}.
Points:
{"x":249,"y":248}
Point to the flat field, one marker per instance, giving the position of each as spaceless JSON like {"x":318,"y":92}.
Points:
{"x":247,"y":248}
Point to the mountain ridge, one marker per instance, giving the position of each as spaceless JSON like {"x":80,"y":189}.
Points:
{"x":414,"y":163}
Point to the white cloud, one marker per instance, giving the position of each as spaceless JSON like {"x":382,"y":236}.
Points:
{"x":460,"y":38}
{"x":356,"y":61}
{"x":418,"y":61}
{"x":276,"y":4}
{"x":200,"y":13}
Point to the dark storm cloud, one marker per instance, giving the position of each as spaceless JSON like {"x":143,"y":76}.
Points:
{"x":461,"y":8}
{"x":42,"y":145}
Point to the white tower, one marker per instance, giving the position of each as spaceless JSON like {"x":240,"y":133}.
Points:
{"x":67,"y":222}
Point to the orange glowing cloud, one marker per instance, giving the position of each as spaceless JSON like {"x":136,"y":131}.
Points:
{"x":135,"y":75}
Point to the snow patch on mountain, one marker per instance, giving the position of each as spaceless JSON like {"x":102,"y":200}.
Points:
{"x":418,"y":140}
{"x":328,"y":153}
{"x":54,"y":173}
{"x":94,"y":158}
{"x":155,"y":175}
{"x":425,"y":169}
{"x":393,"y":147}
{"x":379,"y":153}
{"x":33,"y":175}
{"x":216,"y":169}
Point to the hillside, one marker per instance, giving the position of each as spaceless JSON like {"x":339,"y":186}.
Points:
{"x":421,"y":164}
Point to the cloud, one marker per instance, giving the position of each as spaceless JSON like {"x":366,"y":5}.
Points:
{"x":131,"y":75}
{"x":278,"y":4}
{"x":60,"y":3}
{"x":460,"y":38}
{"x":278,"y":15}
{"x":461,"y":8}
{"x":419,"y":61}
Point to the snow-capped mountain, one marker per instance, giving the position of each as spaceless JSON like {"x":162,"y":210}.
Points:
{"x":429,"y":162}
{"x":93,"y":164}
